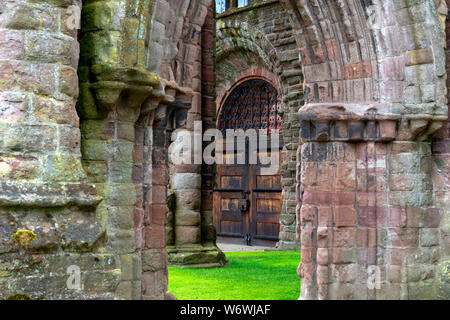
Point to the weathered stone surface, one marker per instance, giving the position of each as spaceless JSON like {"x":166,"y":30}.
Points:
{"x":365,"y":165}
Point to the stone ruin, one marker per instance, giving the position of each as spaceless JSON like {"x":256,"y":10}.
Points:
{"x":92,"y":94}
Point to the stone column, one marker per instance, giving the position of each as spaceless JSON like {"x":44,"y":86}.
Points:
{"x":369,"y":228}
{"x":44,"y":189}
{"x":190,"y":248}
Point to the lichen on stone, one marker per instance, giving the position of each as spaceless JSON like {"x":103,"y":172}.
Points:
{"x":25,"y":237}
{"x":19,"y":296}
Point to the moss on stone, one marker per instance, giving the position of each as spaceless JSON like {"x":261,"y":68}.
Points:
{"x":25,"y":237}
{"x":19,"y":296}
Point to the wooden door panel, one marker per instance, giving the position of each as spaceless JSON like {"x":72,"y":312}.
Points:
{"x":228,"y":218}
{"x":268,"y":182}
{"x":267,"y":231}
{"x":266,"y":215}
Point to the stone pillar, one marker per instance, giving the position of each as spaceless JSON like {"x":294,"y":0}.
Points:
{"x":189,"y":248}
{"x":369,"y":229}
{"x":193,"y":234}
{"x":155,"y":179}
{"x":44,"y":189}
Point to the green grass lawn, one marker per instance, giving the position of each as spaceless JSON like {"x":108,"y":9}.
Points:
{"x":248,"y":276}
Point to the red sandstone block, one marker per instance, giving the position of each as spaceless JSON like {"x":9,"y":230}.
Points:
{"x":319,"y":54}
{"x":11,"y":44}
{"x":331,"y":49}
{"x":68,"y":81}
{"x":307,"y":255}
{"x":138,"y":154}
{"x":325,"y":217}
{"x":344,"y":198}
{"x":397,"y":217}
{"x":323,"y":237}
{"x":305,"y":56}
{"x":367,"y":255}
{"x":398,"y":147}
{"x":139,"y":238}
{"x":344,"y":216}
{"x":392,"y":69}
{"x":371,"y":216}
{"x":137,"y":174}
{"x":394,"y":274}
{"x":404,"y":237}
{"x":158,"y":214}
{"x":381,"y":181}
{"x":307,"y":272}
{"x":159,"y":175}
{"x":381,"y":148}
{"x":25,"y":76}
{"x":149,"y":280}
{"x":392,"y":91}
{"x":361,"y":180}
{"x":308,"y":214}
{"x":400,"y":255}
{"x":345,"y":176}
{"x":366,"y":237}
{"x":344,"y":237}
{"x":414,"y":217}
{"x":371,"y":182}
{"x":417,"y":57}
{"x":364,"y":199}
{"x":317,"y":197}
{"x":433,"y":217}
{"x":381,"y":198}
{"x":306,"y":237}
{"x":155,"y":237}
{"x":323,"y":280}
{"x":138,"y":218}
{"x":357,"y":71}
{"x":344,"y":255}
{"x":401,"y":182}
{"x":322,"y":256}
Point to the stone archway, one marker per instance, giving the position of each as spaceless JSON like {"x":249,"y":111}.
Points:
{"x":244,"y":50}
{"x":252,"y":105}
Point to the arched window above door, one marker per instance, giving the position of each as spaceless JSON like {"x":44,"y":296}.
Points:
{"x":253,"y":104}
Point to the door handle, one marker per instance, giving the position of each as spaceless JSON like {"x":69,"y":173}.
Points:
{"x":243,"y":205}
{"x":244,"y":202}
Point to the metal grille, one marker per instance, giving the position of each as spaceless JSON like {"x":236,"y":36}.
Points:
{"x":254,"y":104}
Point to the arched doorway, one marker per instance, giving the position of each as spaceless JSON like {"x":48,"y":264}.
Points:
{"x":248,"y":200}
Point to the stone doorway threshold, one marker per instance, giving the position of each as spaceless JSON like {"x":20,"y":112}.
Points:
{"x":228,"y":245}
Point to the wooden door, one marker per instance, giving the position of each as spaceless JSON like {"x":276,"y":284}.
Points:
{"x":266,"y":203}
{"x":231,"y":188}
{"x":247,"y":203}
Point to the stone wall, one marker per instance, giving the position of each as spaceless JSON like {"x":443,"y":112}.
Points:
{"x":44,"y":188}
{"x":257,"y":41}
{"x":95,"y":198}
{"x":375,"y":94}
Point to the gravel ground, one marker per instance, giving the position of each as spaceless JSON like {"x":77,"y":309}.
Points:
{"x":226,"y":247}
